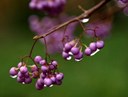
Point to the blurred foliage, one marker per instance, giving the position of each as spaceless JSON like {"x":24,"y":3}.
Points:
{"x":103,"y":75}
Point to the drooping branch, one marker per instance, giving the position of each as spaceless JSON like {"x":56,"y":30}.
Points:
{"x":85,"y":14}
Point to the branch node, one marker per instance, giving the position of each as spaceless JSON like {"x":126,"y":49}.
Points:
{"x":35,"y":37}
{"x":81,"y":8}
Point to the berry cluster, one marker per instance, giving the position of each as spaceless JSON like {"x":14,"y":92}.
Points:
{"x":74,"y":49}
{"x":52,"y":7}
{"x":46,"y":74}
{"x":94,"y":47}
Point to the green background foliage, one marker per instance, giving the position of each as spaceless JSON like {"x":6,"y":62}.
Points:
{"x":103,"y":75}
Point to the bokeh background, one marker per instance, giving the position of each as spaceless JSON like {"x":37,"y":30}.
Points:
{"x":103,"y":75}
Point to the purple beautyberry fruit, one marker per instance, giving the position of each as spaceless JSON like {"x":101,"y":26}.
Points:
{"x":65,"y":55}
{"x":100,"y":44}
{"x":54,"y":63}
{"x":79,"y":56}
{"x":42,"y":75}
{"x":67,"y":47}
{"x":37,"y":59}
{"x":42,"y":62}
{"x":34,"y":68}
{"x":44,"y":68}
{"x":51,"y":67}
{"x":93,"y":46}
{"x":28,"y":80}
{"x":20,"y":64}
{"x":75,"y":50}
{"x":35,"y":74}
{"x":47,"y":81}
{"x":13,"y":71}
{"x":59,"y":76}
{"x":39,"y":87}
{"x":23,"y":69}
{"x":88,"y":51}
{"x":40,"y":82}
{"x":53,"y":78}
{"x":20,"y":74}
{"x":20,"y":79}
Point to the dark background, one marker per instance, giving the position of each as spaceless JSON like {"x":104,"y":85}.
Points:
{"x":103,"y":75}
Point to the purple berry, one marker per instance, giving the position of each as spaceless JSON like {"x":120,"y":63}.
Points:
{"x":79,"y":56}
{"x":47,"y":81}
{"x":88,"y":51}
{"x":42,"y":75}
{"x":65,"y":55}
{"x":20,"y":80}
{"x":28,"y":80}
{"x":59,"y":76}
{"x":34,"y":68}
{"x":53,"y":79}
{"x":54,"y":63}
{"x":75,"y":50}
{"x":44,"y":68}
{"x":42,"y":62}
{"x":35,"y":74}
{"x":39,"y":87}
{"x":20,"y":64}
{"x":37,"y":59}
{"x":23,"y":69}
{"x":100,"y":44}
{"x":20,"y":74}
{"x":40,"y":82}
{"x":92,"y":46}
{"x":13,"y":71}
{"x":67,"y":47}
{"x":26,"y":75}
{"x":51,"y":67}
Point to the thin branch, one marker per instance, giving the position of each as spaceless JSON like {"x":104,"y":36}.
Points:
{"x":30,"y":54}
{"x":86,"y":14}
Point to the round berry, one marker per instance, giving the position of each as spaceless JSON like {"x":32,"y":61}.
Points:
{"x":59,"y":76}
{"x":67,"y":47}
{"x":40,"y":82}
{"x":28,"y":80}
{"x":51,"y":67}
{"x":65,"y":55}
{"x":39,"y":87}
{"x":34,"y":68}
{"x":75,"y":50}
{"x":20,"y":64}
{"x":54,"y":63}
{"x":20,"y":74}
{"x":92,"y":46}
{"x":53,"y":79}
{"x":37,"y":59}
{"x":42,"y":62}
{"x":100,"y":44}
{"x":79,"y":56}
{"x":44,"y":68}
{"x":13,"y":71}
{"x":88,"y":51}
{"x":42,"y":75}
{"x":23,"y":69}
{"x":20,"y":80}
{"x":47,"y":81}
{"x":35,"y":74}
